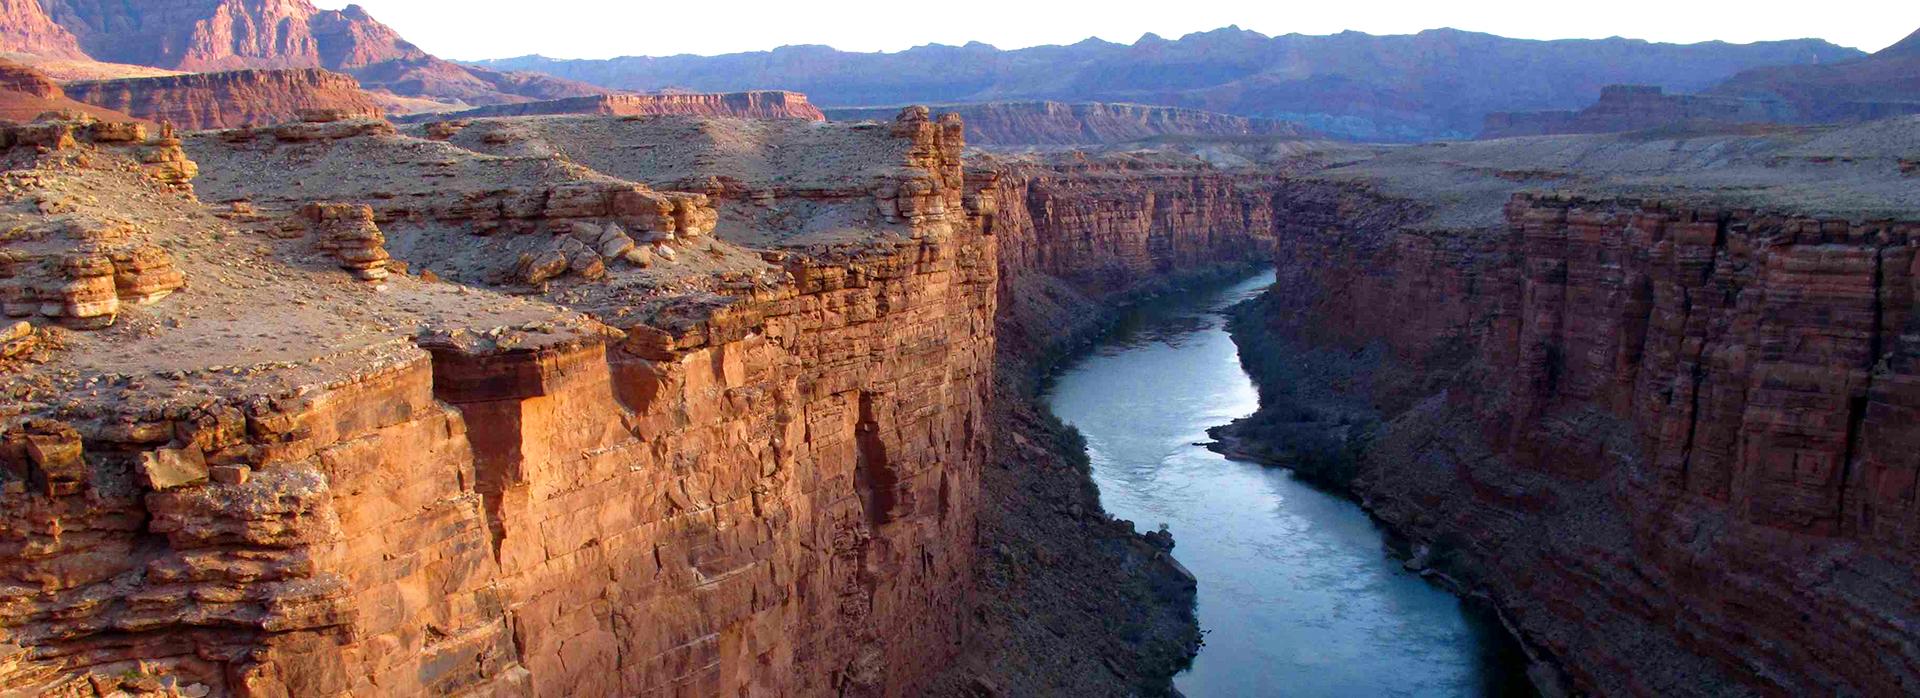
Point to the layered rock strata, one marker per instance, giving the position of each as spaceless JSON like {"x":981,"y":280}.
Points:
{"x":744,"y":470}
{"x":1663,"y":434}
{"x":79,"y":270}
{"x":26,"y":94}
{"x":229,"y":99}
{"x":230,"y":35}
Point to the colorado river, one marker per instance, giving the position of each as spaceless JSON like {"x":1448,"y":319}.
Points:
{"x":1298,"y":594}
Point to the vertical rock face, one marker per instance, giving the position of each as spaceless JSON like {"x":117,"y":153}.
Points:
{"x":211,"y":35}
{"x":1076,"y":234}
{"x":745,"y":488}
{"x":226,"y":100}
{"x":26,"y":94}
{"x":25,"y":27}
{"x":227,"y":35}
{"x":1670,"y":439}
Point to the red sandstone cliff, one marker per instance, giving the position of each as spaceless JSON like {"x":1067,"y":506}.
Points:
{"x":25,"y":94}
{"x":755,"y":471}
{"x":217,"y":35}
{"x":225,"y":100}
{"x":26,"y":28}
{"x":1669,"y":439}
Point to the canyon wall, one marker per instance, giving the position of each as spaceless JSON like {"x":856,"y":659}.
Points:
{"x":26,"y":28}
{"x":226,"y":100}
{"x":729,"y":486}
{"x":1080,"y":233}
{"x":227,"y":35}
{"x":1669,"y":440}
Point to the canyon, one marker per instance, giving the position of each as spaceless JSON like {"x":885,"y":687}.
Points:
{"x":748,"y":407}
{"x":730,"y":438}
{"x":553,"y":389}
{"x":1654,"y":423}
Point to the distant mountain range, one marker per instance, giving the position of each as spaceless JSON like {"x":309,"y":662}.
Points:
{"x":1882,"y":85}
{"x":213,"y":35}
{"x":1432,"y":85}
{"x":1885,"y":84}
{"x":1438,"y":84}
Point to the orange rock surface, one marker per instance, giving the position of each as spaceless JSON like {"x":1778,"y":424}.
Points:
{"x":229,"y":99}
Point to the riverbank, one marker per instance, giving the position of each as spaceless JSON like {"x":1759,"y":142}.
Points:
{"x":1071,"y":601}
{"x":1316,"y":421}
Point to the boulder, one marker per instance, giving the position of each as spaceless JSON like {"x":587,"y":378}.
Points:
{"x":169,"y":468}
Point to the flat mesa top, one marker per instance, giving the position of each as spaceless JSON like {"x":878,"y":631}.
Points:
{"x":1864,"y":171}
{"x":262,"y":304}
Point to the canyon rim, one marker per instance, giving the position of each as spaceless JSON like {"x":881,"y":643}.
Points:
{"x":331,"y":367}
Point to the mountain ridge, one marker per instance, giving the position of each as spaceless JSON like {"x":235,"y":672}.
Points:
{"x":1439,"y":83}
{"x":226,"y":35}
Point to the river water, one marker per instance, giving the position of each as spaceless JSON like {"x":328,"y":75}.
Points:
{"x":1299,"y":595}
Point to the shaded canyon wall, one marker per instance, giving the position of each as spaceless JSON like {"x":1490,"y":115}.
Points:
{"x":1672,"y":442}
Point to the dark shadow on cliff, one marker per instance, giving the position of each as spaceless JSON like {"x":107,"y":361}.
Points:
{"x":1071,"y":602}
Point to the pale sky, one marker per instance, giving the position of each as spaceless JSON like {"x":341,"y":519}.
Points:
{"x":473,"y":29}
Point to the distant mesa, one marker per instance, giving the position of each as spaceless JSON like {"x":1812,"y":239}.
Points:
{"x":27,"y":94}
{"x":1633,"y":108}
{"x":1042,"y":123}
{"x":231,"y":98}
{"x":761,"y":104}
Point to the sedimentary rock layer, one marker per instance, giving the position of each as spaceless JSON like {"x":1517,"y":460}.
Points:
{"x":720,"y":482}
{"x":226,"y":35}
{"x":230,"y":99}
{"x":26,"y":93}
{"x":1669,"y":439}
